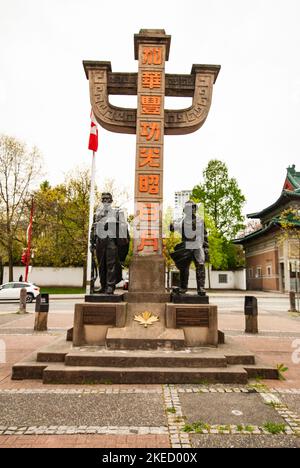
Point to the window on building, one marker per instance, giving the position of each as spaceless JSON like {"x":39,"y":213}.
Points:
{"x":250,"y":273}
{"x":269,"y":270}
{"x":223,"y":279}
{"x":258,"y":272}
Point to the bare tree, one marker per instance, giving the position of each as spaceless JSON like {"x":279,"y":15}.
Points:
{"x":120,"y":194}
{"x":19,"y":168}
{"x":251,"y":226}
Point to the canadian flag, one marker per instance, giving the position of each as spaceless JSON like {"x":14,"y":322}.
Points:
{"x":93,"y":141}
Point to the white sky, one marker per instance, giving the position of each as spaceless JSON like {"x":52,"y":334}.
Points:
{"x":253,"y":124}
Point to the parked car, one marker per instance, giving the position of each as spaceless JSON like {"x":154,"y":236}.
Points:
{"x":11,"y":291}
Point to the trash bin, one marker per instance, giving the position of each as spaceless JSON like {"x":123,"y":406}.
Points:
{"x":42,"y":303}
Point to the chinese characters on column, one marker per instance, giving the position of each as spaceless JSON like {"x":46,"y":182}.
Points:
{"x":149,"y":158}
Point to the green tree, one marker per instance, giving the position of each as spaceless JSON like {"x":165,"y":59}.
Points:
{"x":217,"y":257}
{"x":60,"y":233}
{"x":61,"y":222}
{"x":222,"y":199}
{"x":234,"y":255}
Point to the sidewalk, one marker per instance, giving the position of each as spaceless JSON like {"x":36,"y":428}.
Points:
{"x":158,"y":416}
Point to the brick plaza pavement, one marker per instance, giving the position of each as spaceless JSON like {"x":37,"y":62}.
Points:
{"x":158,"y":416}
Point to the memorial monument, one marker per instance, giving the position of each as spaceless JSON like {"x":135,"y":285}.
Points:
{"x":146,"y":335}
{"x":147,"y":295}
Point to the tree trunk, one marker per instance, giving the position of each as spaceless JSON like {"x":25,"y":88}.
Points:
{"x":1,"y":271}
{"x":10,"y":264}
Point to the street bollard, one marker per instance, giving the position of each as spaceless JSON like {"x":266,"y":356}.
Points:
{"x":251,"y":312}
{"x":41,"y":312}
{"x":292,"y":302}
{"x":22,"y":306}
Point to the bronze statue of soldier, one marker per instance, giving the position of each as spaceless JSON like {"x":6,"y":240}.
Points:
{"x":193,"y":248}
{"x":110,"y":241}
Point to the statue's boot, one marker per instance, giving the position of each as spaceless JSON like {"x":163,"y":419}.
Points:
{"x":184,"y":280}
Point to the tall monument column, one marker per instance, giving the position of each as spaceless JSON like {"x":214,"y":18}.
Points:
{"x":150,"y":121}
{"x":147,"y":269}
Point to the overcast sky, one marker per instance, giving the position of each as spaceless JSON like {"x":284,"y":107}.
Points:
{"x":253,"y":123}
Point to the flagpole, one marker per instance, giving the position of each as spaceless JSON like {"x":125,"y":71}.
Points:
{"x":28,"y":256}
{"x":91,"y":219}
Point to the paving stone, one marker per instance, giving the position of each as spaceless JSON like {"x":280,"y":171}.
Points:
{"x":217,"y":409}
{"x":68,"y":410}
{"x":293,"y":403}
{"x":244,"y":441}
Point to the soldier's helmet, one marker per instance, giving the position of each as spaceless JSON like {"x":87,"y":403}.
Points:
{"x":106,"y":197}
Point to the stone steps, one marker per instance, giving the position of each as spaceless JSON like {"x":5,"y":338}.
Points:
{"x":60,"y":374}
{"x":60,"y":362}
{"x":132,"y":359}
{"x":54,"y":354}
{"x":261,"y":371}
{"x":30,"y":371}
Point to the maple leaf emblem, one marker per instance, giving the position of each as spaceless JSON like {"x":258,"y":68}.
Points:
{"x":146,"y":318}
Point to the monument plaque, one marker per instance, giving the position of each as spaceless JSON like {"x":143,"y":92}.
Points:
{"x":94,"y":316}
{"x":192,"y":317}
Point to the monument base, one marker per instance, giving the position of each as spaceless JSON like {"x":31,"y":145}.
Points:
{"x":145,"y":325}
{"x":143,"y":343}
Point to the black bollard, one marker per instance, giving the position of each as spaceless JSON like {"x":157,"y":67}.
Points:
{"x":22,"y":307}
{"x":41,"y":312}
{"x":251,"y":313}
{"x":292,"y":302}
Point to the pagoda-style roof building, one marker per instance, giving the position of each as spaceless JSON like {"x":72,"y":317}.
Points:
{"x":268,"y":257}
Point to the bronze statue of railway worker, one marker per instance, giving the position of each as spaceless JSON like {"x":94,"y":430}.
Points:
{"x":110,"y":240}
{"x":193,"y":248}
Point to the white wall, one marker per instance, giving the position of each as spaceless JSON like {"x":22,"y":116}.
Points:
{"x":47,"y":276}
{"x":235,"y":280}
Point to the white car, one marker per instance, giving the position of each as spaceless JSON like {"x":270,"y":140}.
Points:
{"x":11,"y":291}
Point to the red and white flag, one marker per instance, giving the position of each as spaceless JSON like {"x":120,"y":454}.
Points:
{"x":93,"y":141}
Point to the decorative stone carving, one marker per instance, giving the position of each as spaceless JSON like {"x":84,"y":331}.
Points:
{"x":199,"y":85}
